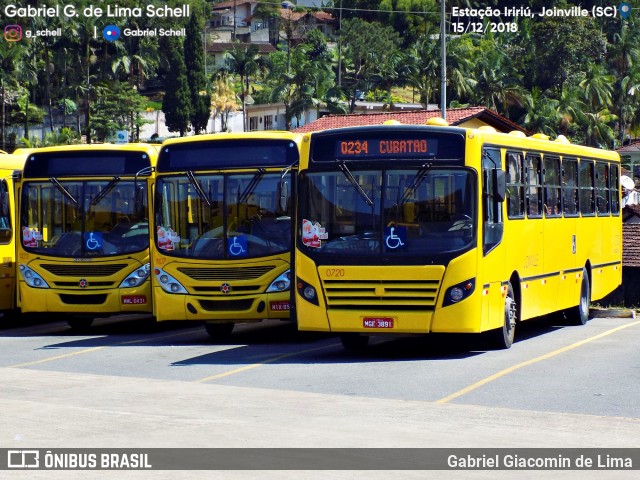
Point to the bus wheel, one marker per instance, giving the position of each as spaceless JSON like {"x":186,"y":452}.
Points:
{"x":502,"y":338}
{"x":218,"y":330}
{"x":354,"y":341}
{"x":579,"y":314}
{"x":80,"y":323}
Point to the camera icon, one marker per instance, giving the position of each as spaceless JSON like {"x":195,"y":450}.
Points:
{"x":13,"y":33}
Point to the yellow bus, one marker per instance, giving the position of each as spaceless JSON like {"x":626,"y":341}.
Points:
{"x":222,"y":224}
{"x":431,"y":228}
{"x":10,"y":170}
{"x":84,"y":231}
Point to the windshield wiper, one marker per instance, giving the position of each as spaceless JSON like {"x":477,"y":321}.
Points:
{"x":347,"y":173}
{"x":105,"y":190}
{"x":416,"y":181}
{"x":198,"y":188}
{"x":63,"y":190}
{"x":252,"y":185}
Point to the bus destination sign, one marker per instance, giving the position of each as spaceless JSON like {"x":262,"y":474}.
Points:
{"x":386,"y":148}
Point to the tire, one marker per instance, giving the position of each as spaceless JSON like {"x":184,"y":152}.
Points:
{"x":502,"y":338}
{"x":219,"y":330}
{"x":354,"y":342}
{"x":579,"y":315}
{"x":80,"y":323}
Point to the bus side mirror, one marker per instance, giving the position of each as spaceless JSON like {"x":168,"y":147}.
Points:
{"x":139,"y":202}
{"x":283,"y":195}
{"x":499,"y":184}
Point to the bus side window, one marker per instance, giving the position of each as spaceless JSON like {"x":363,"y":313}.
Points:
{"x":515,"y":185}
{"x":534,"y":188}
{"x":586,"y":180}
{"x":491,"y":205}
{"x":570,"y":186}
{"x":614,"y":188}
{"x":602,"y":188}
{"x":5,"y":213}
{"x":552,"y":193}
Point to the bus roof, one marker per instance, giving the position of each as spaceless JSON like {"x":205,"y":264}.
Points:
{"x":485,"y":134}
{"x":90,"y":160}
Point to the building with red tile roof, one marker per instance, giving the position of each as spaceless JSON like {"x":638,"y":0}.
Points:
{"x":472,"y":117}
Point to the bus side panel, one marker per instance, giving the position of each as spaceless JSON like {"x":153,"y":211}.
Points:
{"x":561,"y":241}
{"x":168,"y":306}
{"x":607,"y":272}
{"x":464,"y":316}
{"x":524,"y":244}
{"x":8,"y":268}
{"x":493,"y":275}
{"x":310,"y":317}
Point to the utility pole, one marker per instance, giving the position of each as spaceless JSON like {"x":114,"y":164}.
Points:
{"x":340,"y":46}
{"x":443,"y":78}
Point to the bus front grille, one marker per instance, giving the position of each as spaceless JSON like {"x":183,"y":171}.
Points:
{"x":226,"y":273}
{"x":226,"y":305}
{"x":407,"y":295}
{"x":88,"y":269}
{"x":98,"y":299}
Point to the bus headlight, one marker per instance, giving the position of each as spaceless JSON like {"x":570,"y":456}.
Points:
{"x":280,"y":284}
{"x":307,"y":292}
{"x":459,"y":292}
{"x":32,"y":278}
{"x":136,"y":278}
{"x":168,"y":283}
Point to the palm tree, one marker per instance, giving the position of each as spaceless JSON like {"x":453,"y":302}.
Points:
{"x":244,"y":61}
{"x":424,"y":66}
{"x":597,"y":128}
{"x":598,"y":86}
{"x":541,"y":113}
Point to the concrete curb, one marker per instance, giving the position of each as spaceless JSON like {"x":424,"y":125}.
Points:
{"x":611,"y":312}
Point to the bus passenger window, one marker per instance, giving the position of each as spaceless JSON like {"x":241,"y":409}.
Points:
{"x":515,"y":185}
{"x":534,"y":187}
{"x":602,"y":188}
{"x":570,"y":186}
{"x":5,"y":214}
{"x":552,"y":204}
{"x":586,"y":181}
{"x":614,"y":189}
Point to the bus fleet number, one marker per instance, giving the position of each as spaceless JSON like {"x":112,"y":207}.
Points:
{"x":334,"y":272}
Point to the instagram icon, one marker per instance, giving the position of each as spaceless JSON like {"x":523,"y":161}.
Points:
{"x":13,"y":33}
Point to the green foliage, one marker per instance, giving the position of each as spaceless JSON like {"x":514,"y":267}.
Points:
{"x":176,"y":103}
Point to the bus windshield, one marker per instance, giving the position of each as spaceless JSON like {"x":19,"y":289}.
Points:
{"x":223,"y":216}
{"x":404,"y":211}
{"x":83,"y":218}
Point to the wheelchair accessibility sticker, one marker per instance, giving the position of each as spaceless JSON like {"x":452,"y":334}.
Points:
{"x":93,"y":240}
{"x":238,"y":246}
{"x":395,"y":238}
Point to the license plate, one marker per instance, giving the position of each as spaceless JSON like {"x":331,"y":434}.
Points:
{"x":134,"y":300}
{"x":279,"y":306}
{"x":378,"y":322}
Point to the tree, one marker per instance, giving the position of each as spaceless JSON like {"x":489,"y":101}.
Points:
{"x":244,"y":61}
{"x":363,"y":56}
{"x":118,"y":108}
{"x":223,"y":100}
{"x":196,"y":77}
{"x":176,"y":103}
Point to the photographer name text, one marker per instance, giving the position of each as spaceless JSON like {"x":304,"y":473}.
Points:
{"x":92,"y":11}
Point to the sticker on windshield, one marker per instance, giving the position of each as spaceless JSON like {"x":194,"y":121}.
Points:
{"x":395,"y":238}
{"x":30,"y":237}
{"x":167,"y":238}
{"x":313,"y":233}
{"x":238,"y":246}
{"x":93,"y":240}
